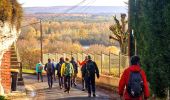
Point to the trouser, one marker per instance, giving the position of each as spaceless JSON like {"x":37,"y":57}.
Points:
{"x":39,"y":74}
{"x":83,"y":83}
{"x":50,"y":80}
{"x":67,"y":82}
{"x":60,"y":80}
{"x":54,"y":76}
{"x":73,"y":81}
{"x":84,"y":86}
{"x":90,"y":82}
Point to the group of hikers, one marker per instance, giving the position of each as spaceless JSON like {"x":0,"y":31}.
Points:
{"x":67,"y":70}
{"x":133,"y":83}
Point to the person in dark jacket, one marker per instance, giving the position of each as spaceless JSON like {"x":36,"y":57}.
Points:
{"x":84,"y":86}
{"x":89,"y":70}
{"x":58,"y":68}
{"x":135,"y":67}
{"x":75,"y":66}
{"x":49,"y":68}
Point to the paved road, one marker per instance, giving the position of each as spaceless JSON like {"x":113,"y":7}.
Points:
{"x":39,"y":91}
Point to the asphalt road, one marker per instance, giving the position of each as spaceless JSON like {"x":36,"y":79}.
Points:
{"x":39,"y":91}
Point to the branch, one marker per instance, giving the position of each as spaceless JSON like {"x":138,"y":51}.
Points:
{"x":114,"y":31}
{"x":111,"y":37}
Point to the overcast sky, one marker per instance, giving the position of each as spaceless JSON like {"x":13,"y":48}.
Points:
{"x":45,"y":3}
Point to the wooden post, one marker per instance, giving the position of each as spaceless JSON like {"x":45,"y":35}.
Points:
{"x":119,"y":64}
{"x":41,"y":39}
{"x":109,"y":63}
{"x":101,"y":61}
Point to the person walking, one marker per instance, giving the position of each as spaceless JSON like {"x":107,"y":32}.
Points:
{"x":49,"y":68}
{"x":89,"y":70}
{"x":39,"y":68}
{"x":54,"y":73}
{"x":84,"y":86}
{"x":75,"y":66}
{"x":135,"y":81}
{"x":58,"y":68}
{"x":67,"y":71}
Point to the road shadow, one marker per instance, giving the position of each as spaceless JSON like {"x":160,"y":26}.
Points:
{"x":84,"y":98}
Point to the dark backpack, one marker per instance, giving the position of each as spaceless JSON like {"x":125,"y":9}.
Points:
{"x":90,"y":68}
{"x":49,"y":68}
{"x":135,"y":84}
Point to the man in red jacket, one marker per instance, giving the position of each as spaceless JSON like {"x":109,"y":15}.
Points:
{"x":135,"y":67}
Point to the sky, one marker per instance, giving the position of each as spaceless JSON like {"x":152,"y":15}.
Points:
{"x":46,"y":3}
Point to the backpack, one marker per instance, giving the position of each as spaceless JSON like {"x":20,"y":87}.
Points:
{"x":67,"y":69}
{"x":40,"y":67}
{"x":49,"y":68}
{"x":90,"y":69}
{"x":135,"y":84}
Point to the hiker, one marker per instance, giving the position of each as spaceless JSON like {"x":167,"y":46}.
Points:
{"x":134,"y":79}
{"x":75,"y":66}
{"x":67,"y":71}
{"x":54,"y":75}
{"x":83,"y":80}
{"x":89,"y":70}
{"x":58,"y":68}
{"x":39,"y":68}
{"x":49,"y":68}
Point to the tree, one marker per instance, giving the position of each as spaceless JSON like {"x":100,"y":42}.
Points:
{"x":120,"y":33}
{"x":151,"y":23}
{"x":11,"y":11}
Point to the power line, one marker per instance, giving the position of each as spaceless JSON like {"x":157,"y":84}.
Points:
{"x":68,"y":10}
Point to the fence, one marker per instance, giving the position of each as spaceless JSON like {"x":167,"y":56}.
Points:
{"x":108,"y":64}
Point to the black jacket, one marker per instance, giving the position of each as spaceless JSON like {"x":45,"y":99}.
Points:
{"x":90,"y":69}
{"x":75,"y":66}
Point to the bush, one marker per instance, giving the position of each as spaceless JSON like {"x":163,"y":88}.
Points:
{"x":2,"y":97}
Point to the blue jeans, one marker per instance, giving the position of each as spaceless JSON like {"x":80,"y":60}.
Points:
{"x":50,"y":80}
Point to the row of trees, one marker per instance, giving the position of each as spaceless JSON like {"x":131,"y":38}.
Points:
{"x":84,"y":33}
{"x":11,"y":11}
{"x":150,"y":20}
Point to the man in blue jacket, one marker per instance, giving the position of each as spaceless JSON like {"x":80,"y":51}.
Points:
{"x":49,"y":68}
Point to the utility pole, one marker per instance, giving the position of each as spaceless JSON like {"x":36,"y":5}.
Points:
{"x":41,"y":36}
{"x":129,"y":29}
{"x":41,"y":39}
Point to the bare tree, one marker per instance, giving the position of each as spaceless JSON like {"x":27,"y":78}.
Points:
{"x":120,"y":33}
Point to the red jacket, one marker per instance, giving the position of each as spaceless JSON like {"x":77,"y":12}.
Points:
{"x":124,"y":81}
{"x":82,"y":63}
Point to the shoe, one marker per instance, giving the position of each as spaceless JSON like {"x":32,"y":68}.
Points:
{"x":75,"y":84}
{"x":61,"y":87}
{"x":68,"y":91}
{"x":89,"y":95}
{"x":83,"y":89}
{"x":94,"y":95}
{"x":65,"y":90}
